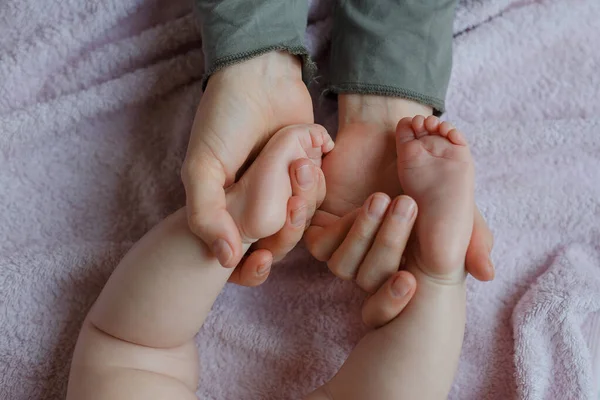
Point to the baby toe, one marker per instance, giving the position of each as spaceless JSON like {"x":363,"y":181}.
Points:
{"x":404,"y":130}
{"x":456,"y":137}
{"x":418,"y":125}
{"x":432,"y":123}
{"x":328,"y":143}
{"x":317,"y":135}
{"x":444,"y":128}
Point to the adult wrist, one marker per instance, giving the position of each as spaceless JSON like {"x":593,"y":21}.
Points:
{"x":278,"y":65}
{"x":380,"y":111}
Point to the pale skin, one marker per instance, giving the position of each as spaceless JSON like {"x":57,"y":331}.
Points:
{"x":415,"y":356}
{"x":138,"y":339}
{"x":242,"y":107}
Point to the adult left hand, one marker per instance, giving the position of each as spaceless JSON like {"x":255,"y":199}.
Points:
{"x":364,"y":162}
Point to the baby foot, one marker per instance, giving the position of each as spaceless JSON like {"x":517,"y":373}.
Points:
{"x":258,"y":201}
{"x":436,"y":169}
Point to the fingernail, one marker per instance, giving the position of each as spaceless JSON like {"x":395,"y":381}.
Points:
{"x":222,"y":251}
{"x":404,"y":207}
{"x":263,"y":269}
{"x":400,"y":287}
{"x":298,"y":216}
{"x":378,"y":206}
{"x":304,"y":176}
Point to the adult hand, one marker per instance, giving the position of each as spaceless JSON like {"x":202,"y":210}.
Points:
{"x":378,"y":310}
{"x":366,"y":244}
{"x":364,"y":162}
{"x":242,"y":107}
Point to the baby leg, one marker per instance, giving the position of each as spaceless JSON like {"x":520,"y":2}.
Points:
{"x":415,"y":356}
{"x":138,"y":339}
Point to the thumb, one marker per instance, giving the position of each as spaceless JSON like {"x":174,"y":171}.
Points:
{"x":389,"y":301}
{"x":208,"y":218}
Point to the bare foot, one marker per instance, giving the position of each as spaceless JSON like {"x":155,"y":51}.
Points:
{"x":436,"y":169}
{"x":258,"y":201}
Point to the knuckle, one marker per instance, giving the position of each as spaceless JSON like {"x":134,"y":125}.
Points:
{"x":197,"y":223}
{"x":362,"y":231}
{"x":365,"y":283}
{"x":337,"y":269}
{"x":281,"y":250}
{"x":373,"y":276}
{"x":318,"y":255}
{"x":390,"y":242}
{"x":313,"y":244}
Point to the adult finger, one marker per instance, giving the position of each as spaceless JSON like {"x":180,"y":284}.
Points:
{"x":286,"y":239}
{"x":327,"y":232}
{"x":478,"y":261}
{"x":307,"y":182}
{"x":383,"y":258}
{"x":307,"y":186}
{"x":254,"y":270}
{"x":203,"y":177}
{"x":389,"y":301}
{"x":346,"y":259}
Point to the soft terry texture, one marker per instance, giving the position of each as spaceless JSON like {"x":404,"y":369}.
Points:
{"x":96,"y":101}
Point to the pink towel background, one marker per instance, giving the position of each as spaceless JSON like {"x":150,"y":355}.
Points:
{"x":96,"y":103}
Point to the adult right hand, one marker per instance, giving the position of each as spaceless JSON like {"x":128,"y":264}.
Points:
{"x":242,"y":107}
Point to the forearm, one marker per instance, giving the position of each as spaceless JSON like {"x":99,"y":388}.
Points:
{"x":422,"y":351}
{"x":163,"y":289}
{"x":377,"y":111}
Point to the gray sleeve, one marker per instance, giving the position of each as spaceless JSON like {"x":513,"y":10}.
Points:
{"x":399,"y":48}
{"x":237,"y":30}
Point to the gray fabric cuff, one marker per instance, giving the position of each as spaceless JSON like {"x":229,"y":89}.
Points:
{"x":393,"y":48}
{"x":237,"y":30}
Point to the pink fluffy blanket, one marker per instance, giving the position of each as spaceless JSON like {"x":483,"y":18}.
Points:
{"x":96,"y":102}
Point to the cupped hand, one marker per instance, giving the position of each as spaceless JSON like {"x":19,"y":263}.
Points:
{"x":242,"y":107}
{"x":367,"y":244}
{"x":364,"y":162}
